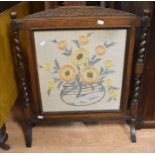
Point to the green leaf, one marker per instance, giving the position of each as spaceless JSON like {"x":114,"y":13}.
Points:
{"x":109,"y":99}
{"x":40,"y":66}
{"x":95,"y":61}
{"x":77,"y":43}
{"x":60,"y":84}
{"x":89,"y":34}
{"x":94,"y":56}
{"x":54,"y":41}
{"x":92,"y":87}
{"x":56,"y":79}
{"x":115,"y":99}
{"x":101,"y":70}
{"x":66,"y":54}
{"x":48,"y":92}
{"x":110,"y":44}
{"x":57,"y":64}
{"x":114,"y":88}
{"x":80,"y":88}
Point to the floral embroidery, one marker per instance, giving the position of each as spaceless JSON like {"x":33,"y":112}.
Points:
{"x":80,"y":56}
{"x":51,"y":85}
{"x":67,"y":73}
{"x":47,"y":66}
{"x":108,"y":64}
{"x":62,"y":45}
{"x":90,"y":75}
{"x":100,"y":50}
{"x":83,"y":80}
{"x":113,"y":94}
{"x":83,"y":40}
{"x":108,"y":83}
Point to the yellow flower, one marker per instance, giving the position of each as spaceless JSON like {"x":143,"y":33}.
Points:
{"x":62,"y":45}
{"x":113,"y":94}
{"x":47,"y":67}
{"x":67,"y":73}
{"x":108,"y":82}
{"x":90,"y":75}
{"x":83,"y":39}
{"x":51,"y":85}
{"x":80,"y":56}
{"x":108,"y":63}
{"x":100,"y":50}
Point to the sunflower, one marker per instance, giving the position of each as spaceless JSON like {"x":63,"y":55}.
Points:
{"x":108,"y":83}
{"x":47,"y":67}
{"x":67,"y":73}
{"x":62,"y":45}
{"x":83,"y":39}
{"x":90,"y":75}
{"x":80,"y":56}
{"x":113,"y":94}
{"x":51,"y":85}
{"x":108,"y":63}
{"x":100,"y":50}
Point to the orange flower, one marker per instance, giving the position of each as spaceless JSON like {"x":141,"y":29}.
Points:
{"x":100,"y":50}
{"x":90,"y":75}
{"x":67,"y":73}
{"x":83,"y":39}
{"x":62,"y":45}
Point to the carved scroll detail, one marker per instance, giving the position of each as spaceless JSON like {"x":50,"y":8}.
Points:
{"x":20,"y":66}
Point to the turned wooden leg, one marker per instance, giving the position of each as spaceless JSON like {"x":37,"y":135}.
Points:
{"x":133,"y":130}
{"x":28,"y":134}
{"x":3,"y":138}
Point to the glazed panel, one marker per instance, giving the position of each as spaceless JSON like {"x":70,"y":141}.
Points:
{"x":80,"y":70}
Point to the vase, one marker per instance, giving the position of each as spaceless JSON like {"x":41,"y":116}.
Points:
{"x":87,"y":95}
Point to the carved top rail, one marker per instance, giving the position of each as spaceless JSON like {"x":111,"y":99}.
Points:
{"x":78,"y":12}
